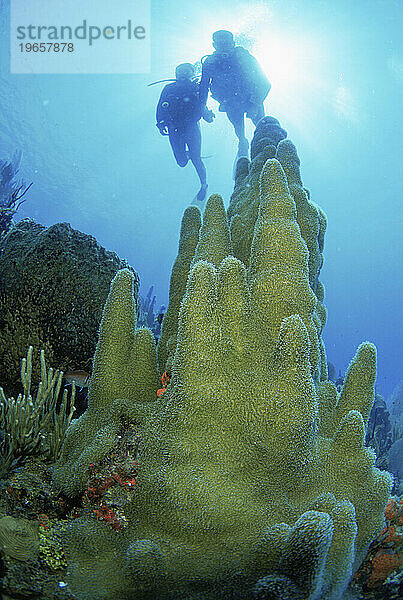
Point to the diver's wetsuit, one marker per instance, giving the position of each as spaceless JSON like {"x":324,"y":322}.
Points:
{"x":238,"y":83}
{"x":185,"y":142}
{"x":180,"y":109}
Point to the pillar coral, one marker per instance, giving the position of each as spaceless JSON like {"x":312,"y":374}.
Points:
{"x":123,"y":385}
{"x":188,"y":239}
{"x":254,"y":481}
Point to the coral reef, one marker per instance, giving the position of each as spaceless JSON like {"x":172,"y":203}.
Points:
{"x":395,"y":455}
{"x":123,"y":386}
{"x":146,"y":317}
{"x":146,"y":309}
{"x":385,"y":553}
{"x":395,"y":464}
{"x":387,"y":441}
{"x":50,"y":545}
{"x":19,"y":538}
{"x":188,"y":239}
{"x":32,"y":561}
{"x":254,"y":481}
{"x":269,"y":142}
{"x":53,"y":285}
{"x":12,"y":192}
{"x":395,"y":405}
{"x":379,"y":432}
{"x":34,"y":425}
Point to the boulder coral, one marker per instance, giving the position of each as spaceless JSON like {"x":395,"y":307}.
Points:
{"x":53,"y":285}
{"x":254,"y":480}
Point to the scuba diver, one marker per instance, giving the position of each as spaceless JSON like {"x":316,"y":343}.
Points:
{"x":179,"y":111}
{"x":237,"y":82}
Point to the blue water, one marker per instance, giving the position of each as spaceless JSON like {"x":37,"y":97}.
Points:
{"x":91,"y":148}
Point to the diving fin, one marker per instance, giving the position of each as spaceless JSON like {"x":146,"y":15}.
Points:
{"x":200,"y":197}
{"x":243,"y":151}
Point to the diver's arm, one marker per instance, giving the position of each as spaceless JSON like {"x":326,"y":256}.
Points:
{"x":161,"y":113}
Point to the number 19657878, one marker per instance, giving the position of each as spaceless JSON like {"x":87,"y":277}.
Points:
{"x":47,"y":47}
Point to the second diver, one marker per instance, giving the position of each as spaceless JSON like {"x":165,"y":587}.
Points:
{"x":179,"y":111}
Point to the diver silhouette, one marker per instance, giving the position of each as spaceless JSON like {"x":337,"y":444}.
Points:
{"x":236,"y":80}
{"x":179,"y":111}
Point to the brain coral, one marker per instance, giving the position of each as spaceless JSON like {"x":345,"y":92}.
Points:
{"x":254,"y":481}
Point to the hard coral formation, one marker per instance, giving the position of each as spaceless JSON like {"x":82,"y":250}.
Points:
{"x":189,"y":237}
{"x":379,"y":435}
{"x":19,"y":538}
{"x":269,"y":142}
{"x":123,"y":386}
{"x":53,"y":285}
{"x":254,"y":481}
{"x":146,"y":317}
{"x":385,"y":553}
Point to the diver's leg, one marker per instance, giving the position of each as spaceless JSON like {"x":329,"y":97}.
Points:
{"x":236,"y":115}
{"x":178,"y":145}
{"x":193,"y":140}
{"x":259,"y":114}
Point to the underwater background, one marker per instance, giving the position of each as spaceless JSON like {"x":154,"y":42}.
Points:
{"x":90,"y":146}
{"x":247,"y":444}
